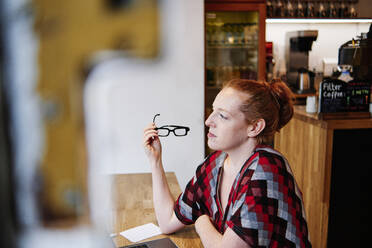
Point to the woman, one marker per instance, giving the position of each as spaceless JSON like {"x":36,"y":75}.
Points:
{"x":243,"y":194}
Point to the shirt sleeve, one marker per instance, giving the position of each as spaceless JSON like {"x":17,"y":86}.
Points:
{"x":191,"y":204}
{"x":186,"y":207}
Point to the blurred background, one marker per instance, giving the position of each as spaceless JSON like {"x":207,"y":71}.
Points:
{"x":79,"y":82}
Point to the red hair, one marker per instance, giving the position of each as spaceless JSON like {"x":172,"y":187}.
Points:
{"x":272,"y":102}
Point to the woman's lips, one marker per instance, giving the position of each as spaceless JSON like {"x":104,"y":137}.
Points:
{"x":211,"y":135}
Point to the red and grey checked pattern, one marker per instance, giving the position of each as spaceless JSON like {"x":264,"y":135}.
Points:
{"x":264,"y":208}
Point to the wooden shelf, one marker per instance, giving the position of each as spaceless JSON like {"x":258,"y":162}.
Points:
{"x":231,"y":46}
{"x":317,"y":20}
{"x":304,"y":95}
{"x":349,"y":120}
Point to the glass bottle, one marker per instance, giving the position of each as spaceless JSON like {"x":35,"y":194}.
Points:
{"x":346,"y":10}
{"x":353,"y":12}
{"x":229,"y":40}
{"x":300,"y":10}
{"x":289,"y":9}
{"x":236,"y":72}
{"x":341,"y":7}
{"x":224,"y":75}
{"x":247,"y":34}
{"x":219,"y":76}
{"x":304,"y":6}
{"x":269,"y":9}
{"x":322,"y":10}
{"x":211,"y":76}
{"x":208,"y":35}
{"x":310,"y":10}
{"x":214,"y":36}
{"x":229,"y":73}
{"x":241,"y":34}
{"x":244,"y":74}
{"x":236,"y":34}
{"x":332,"y":10}
{"x":279,"y":9}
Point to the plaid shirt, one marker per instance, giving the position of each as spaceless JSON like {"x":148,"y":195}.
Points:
{"x":264,"y":208}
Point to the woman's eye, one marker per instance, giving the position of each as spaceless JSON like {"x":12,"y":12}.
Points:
{"x":223,"y":117}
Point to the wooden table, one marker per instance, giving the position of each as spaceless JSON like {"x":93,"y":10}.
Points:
{"x":307,"y":142}
{"x":133,"y":206}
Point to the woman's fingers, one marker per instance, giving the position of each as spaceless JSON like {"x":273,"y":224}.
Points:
{"x":150,"y":134}
{"x":151,"y":142}
{"x":150,"y":126}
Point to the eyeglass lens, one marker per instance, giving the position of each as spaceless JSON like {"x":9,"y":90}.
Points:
{"x":162,"y":132}
{"x":178,"y":131}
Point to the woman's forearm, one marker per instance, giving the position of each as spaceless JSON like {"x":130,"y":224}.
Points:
{"x":210,"y":237}
{"x":162,"y":197}
{"x":208,"y":234}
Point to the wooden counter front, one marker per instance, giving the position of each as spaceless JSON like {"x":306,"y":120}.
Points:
{"x":307,"y":142}
{"x":133,"y":206}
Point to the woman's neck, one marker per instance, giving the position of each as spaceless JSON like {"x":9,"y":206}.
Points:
{"x":239,"y":155}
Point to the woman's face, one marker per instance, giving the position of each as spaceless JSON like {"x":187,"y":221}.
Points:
{"x":227,"y":124}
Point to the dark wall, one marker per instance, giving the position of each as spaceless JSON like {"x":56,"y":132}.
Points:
{"x":350,"y":189}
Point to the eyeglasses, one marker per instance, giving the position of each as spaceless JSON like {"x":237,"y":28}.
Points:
{"x":164,"y":131}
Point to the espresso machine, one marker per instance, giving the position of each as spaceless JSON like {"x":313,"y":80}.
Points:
{"x":356,"y":54}
{"x":298,"y":44}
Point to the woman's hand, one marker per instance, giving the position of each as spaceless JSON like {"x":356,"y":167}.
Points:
{"x":152,"y":143}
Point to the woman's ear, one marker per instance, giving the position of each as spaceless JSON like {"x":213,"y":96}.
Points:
{"x":256,"y":128}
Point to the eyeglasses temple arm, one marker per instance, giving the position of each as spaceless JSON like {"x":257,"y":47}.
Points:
{"x":153,"y":120}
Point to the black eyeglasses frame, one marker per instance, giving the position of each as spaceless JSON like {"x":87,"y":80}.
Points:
{"x":171,"y":128}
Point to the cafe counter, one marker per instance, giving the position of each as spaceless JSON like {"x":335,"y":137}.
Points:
{"x":323,"y":154}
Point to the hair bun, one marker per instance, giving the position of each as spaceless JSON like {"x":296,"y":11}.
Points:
{"x":284,"y":96}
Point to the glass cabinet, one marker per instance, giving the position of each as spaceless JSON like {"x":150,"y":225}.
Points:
{"x":234,"y":44}
{"x":231,"y":46}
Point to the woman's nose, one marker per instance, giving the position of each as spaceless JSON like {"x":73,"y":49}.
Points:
{"x":208,"y":121}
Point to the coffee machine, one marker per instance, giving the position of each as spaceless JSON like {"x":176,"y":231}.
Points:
{"x":298,"y":44}
{"x":357,"y":55}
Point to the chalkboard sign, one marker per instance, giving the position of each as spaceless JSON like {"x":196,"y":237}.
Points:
{"x":338,"y":96}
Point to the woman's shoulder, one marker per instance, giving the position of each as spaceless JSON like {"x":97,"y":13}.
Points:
{"x":266,"y":150}
{"x":269,"y":161}
{"x":269,"y":155}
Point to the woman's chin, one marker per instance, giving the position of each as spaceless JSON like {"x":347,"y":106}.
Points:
{"x":212,"y":145}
